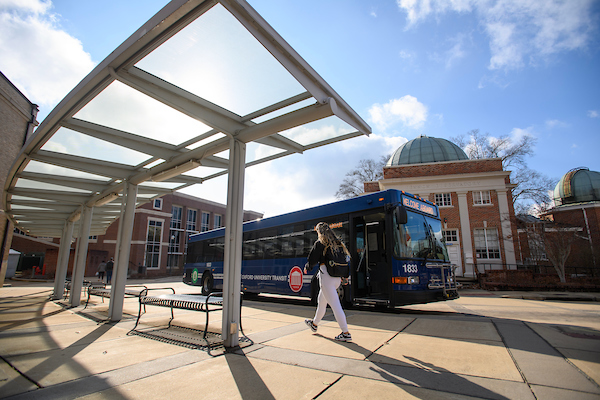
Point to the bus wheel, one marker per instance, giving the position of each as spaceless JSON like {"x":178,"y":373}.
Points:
{"x":207,"y":283}
{"x":341,"y":291}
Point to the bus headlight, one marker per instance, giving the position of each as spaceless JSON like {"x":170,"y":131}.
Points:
{"x":399,"y":280}
{"x":413,"y":280}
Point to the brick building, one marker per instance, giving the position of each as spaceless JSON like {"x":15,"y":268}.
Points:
{"x":17,"y":120}
{"x":577,"y":206}
{"x":474,"y":197}
{"x":158,"y":243}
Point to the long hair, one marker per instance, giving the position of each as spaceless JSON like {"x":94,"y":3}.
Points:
{"x":329,"y":239}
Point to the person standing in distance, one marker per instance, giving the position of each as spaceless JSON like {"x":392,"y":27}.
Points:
{"x":101,"y":270}
{"x":327,"y":240}
{"x":109,"y":270}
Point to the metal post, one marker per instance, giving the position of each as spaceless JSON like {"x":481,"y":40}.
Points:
{"x":82,"y":250}
{"x":63,"y":260}
{"x":232,"y":266}
{"x":118,"y":246}
{"x":120,"y":274}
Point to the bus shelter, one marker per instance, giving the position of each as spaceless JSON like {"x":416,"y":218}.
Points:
{"x":203,"y":89}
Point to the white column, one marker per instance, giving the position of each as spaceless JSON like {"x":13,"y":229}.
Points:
{"x":62,"y":264}
{"x":118,"y":247}
{"x":82,"y":251}
{"x":232,"y":266}
{"x":117,"y":293}
{"x":465,"y":227}
{"x":509,"y":248}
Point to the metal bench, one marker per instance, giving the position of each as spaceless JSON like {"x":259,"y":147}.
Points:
{"x":100,"y":289}
{"x":69,"y":284}
{"x":193,"y":302}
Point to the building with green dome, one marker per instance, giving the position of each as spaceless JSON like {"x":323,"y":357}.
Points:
{"x":474,"y":197}
{"x":577,"y":205}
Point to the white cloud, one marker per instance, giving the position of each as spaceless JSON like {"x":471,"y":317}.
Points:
{"x":41,"y":59}
{"x":593,"y":114}
{"x":455,"y":53}
{"x":406,"y":110}
{"x":555,"y":123}
{"x":33,"y":6}
{"x":417,"y":10}
{"x":519,"y":31}
{"x":517,"y":133}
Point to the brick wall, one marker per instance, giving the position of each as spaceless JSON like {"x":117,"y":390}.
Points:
{"x":443,"y":168}
{"x":370,"y":187}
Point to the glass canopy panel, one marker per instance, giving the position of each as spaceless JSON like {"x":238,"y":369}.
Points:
{"x":255,"y":151}
{"x":284,"y":110}
{"x":44,"y":168}
{"x":123,"y":108}
{"x":206,"y":140}
{"x":230,"y":67}
{"x":30,"y":184}
{"x":318,"y":131}
{"x":66,"y":141}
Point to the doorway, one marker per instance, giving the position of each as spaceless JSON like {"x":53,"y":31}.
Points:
{"x":370,"y":272}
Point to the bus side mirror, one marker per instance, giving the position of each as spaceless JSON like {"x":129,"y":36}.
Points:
{"x":400,"y":214}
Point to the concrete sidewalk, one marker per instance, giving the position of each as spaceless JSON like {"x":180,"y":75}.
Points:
{"x":435,"y":351}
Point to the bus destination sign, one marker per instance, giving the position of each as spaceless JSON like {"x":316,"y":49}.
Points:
{"x":420,"y":206}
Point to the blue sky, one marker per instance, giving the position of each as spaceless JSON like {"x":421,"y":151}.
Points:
{"x":408,"y":67}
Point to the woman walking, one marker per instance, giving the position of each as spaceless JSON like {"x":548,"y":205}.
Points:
{"x":327,"y":243}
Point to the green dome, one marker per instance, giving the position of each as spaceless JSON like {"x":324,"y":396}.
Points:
{"x":578,"y":186}
{"x":426,"y":150}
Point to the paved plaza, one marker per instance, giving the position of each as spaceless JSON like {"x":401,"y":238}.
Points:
{"x":491,"y":345}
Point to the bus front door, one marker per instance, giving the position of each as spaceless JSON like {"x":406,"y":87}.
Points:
{"x":371,"y":272}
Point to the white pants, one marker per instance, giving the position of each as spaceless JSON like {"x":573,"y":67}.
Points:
{"x":328,"y":295}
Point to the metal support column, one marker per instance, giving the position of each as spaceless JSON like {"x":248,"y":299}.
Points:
{"x":63,"y":260}
{"x":82,"y":251}
{"x":122,"y":263}
{"x":232,"y":266}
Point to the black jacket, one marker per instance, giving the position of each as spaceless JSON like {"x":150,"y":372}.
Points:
{"x":316,"y":256}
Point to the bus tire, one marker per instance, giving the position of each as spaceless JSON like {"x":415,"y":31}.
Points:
{"x":207,"y":283}
{"x":342,"y":292}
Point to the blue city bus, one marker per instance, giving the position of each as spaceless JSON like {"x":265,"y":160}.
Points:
{"x":395,"y":238}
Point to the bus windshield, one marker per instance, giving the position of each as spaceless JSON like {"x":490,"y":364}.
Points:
{"x":420,"y":237}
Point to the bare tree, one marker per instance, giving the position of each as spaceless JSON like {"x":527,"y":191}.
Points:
{"x":532,"y":187}
{"x":367,"y":170}
{"x":558,"y":241}
{"x":549,"y":240}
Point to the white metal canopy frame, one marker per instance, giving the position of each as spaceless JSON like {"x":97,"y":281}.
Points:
{"x":204,"y":87}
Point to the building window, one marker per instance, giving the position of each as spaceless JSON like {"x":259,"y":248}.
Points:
{"x":537,"y":250}
{"x":443,"y":199}
{"x":482,"y":197}
{"x":153,"y":243}
{"x":450,"y":235}
{"x":218,"y":221}
{"x":176,"y":212}
{"x":204,"y":224}
{"x":173,"y":261}
{"x":175,"y":241}
{"x":191,"y":220}
{"x":157,"y":204}
{"x":487,"y":243}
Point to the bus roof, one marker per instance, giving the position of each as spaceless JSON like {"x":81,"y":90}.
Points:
{"x":355,"y":204}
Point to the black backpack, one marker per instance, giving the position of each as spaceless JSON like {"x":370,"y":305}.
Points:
{"x":338,"y":263}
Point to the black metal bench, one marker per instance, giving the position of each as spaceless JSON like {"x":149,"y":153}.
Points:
{"x":100,"y":289}
{"x":68,"y":285}
{"x":193,"y":302}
